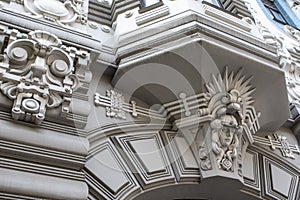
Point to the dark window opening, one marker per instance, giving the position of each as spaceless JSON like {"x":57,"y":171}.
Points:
{"x":239,"y":9}
{"x":146,"y":5}
{"x":274,"y":11}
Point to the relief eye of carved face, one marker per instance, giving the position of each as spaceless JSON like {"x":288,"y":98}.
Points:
{"x":226,"y":135}
{"x":225,"y":129}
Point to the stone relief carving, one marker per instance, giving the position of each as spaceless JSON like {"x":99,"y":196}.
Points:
{"x":292,"y":72}
{"x":279,"y":142}
{"x":64,"y":12}
{"x":230,"y":105}
{"x":116,"y":107}
{"x":38,"y":73}
{"x":225,"y":140}
{"x":292,"y":31}
{"x":205,"y":162}
{"x":270,"y":38}
{"x":116,"y":101}
{"x":296,"y":35}
{"x":227,"y":107}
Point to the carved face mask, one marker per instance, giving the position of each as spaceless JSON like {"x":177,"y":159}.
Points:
{"x":228,"y":130}
{"x":226,"y":135}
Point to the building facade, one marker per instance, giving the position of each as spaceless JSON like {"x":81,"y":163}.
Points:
{"x":151,"y":99}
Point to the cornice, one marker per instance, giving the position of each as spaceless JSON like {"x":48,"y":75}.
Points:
{"x":185,"y":25}
{"x":36,"y":168}
{"x":42,"y":155}
{"x":27,"y":23}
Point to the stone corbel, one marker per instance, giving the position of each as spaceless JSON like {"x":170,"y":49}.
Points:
{"x":224,"y":136}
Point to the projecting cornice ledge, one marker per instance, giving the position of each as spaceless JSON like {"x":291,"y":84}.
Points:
{"x":185,"y":25}
{"x":186,"y":68}
{"x":27,"y":23}
{"x":220,"y":94}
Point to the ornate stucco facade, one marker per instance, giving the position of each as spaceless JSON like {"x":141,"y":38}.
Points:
{"x":132,"y":100}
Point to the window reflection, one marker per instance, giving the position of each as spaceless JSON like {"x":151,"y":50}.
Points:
{"x":148,"y":3}
{"x":276,"y":14}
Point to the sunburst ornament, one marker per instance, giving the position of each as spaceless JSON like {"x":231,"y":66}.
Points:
{"x":231,"y":95}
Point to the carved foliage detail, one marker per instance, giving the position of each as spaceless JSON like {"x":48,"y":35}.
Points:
{"x":37,"y":72}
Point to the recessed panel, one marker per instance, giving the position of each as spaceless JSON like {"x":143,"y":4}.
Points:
{"x":281,"y":180}
{"x":146,"y":155}
{"x":149,"y":154}
{"x":105,"y":167}
{"x":107,"y":174}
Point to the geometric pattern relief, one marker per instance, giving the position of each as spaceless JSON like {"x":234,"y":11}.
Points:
{"x":107,"y":175}
{"x":280,"y":182}
{"x":251,"y":169}
{"x":116,"y":107}
{"x":281,"y":143}
{"x":182,"y":157}
{"x":147,"y":156}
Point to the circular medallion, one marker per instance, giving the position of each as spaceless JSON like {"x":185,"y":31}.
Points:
{"x":59,"y":68}
{"x":30,"y":105}
{"x":19,"y":54}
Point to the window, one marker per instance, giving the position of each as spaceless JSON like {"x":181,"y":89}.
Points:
{"x":146,"y":5}
{"x":236,"y":8}
{"x":274,"y":11}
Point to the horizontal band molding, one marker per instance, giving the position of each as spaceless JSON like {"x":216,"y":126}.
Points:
{"x":47,"y":187}
{"x":40,"y":155}
{"x":41,"y":169}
